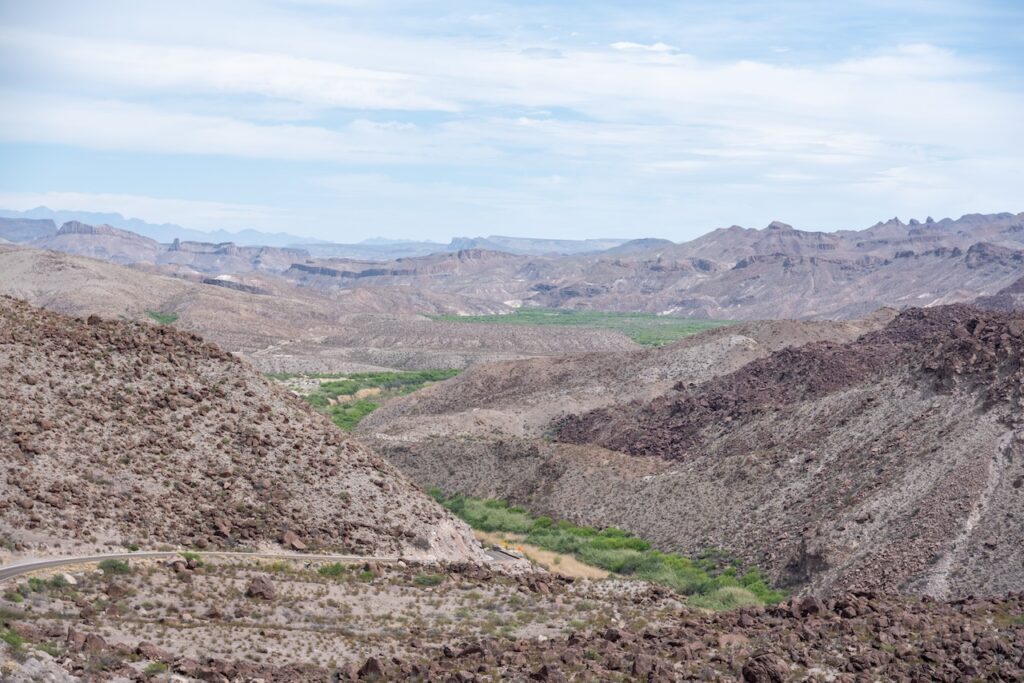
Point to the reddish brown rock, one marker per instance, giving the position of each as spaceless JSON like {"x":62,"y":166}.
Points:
{"x":261,"y":587}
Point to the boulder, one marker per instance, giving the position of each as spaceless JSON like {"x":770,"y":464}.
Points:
{"x":261,"y":587}
{"x":291,"y":540}
{"x":765,"y":667}
{"x":151,"y":651}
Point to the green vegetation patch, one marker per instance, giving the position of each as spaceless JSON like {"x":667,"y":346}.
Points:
{"x":155,"y":669}
{"x":332,"y":571}
{"x":429,"y":579}
{"x":163,"y":318}
{"x":192,"y":556}
{"x":643,"y":328}
{"x":15,"y":641}
{"x":111,"y":567}
{"x":337,"y":395}
{"x":711,"y":580}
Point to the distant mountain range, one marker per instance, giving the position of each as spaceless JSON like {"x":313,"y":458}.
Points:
{"x":164,"y":232}
{"x":24,"y":226}
{"x":386,"y":250}
{"x":730,"y":273}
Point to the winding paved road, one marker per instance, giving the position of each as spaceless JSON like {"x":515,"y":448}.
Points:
{"x":14,"y":570}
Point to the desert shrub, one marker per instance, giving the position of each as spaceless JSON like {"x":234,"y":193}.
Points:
{"x":754,"y":582}
{"x":619,"y":561}
{"x":332,"y":571}
{"x":13,"y":596}
{"x":429,"y":579}
{"x":193,"y":556}
{"x":155,"y":668}
{"x":58,"y":581}
{"x":728,"y":597}
{"x":619,"y":543}
{"x":15,"y":641}
{"x":489,"y":515}
{"x":111,"y":566}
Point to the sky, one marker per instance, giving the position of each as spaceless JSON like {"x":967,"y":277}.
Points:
{"x":350,"y":119}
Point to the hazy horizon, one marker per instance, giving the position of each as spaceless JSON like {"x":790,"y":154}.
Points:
{"x":126,"y":221}
{"x":344,"y":120}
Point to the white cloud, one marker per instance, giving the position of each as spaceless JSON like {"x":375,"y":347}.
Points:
{"x":123,"y":126}
{"x":640,"y":47}
{"x":161,"y":68}
{"x":678,"y":166}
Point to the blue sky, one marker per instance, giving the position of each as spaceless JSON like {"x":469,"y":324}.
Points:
{"x":347,"y":119}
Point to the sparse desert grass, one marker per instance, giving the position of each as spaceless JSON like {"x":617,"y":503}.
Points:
{"x":643,"y":328}
{"x":338,"y":396}
{"x":711,"y":580}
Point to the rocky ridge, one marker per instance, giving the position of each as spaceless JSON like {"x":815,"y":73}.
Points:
{"x":961,"y":347}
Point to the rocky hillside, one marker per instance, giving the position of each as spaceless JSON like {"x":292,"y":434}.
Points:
{"x":135,"y":435}
{"x":247,"y":624}
{"x":896,"y":458}
{"x":891,"y":461}
{"x":1009,"y":298}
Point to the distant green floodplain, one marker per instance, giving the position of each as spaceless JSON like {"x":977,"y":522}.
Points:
{"x":349,"y":397}
{"x":643,"y":328}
